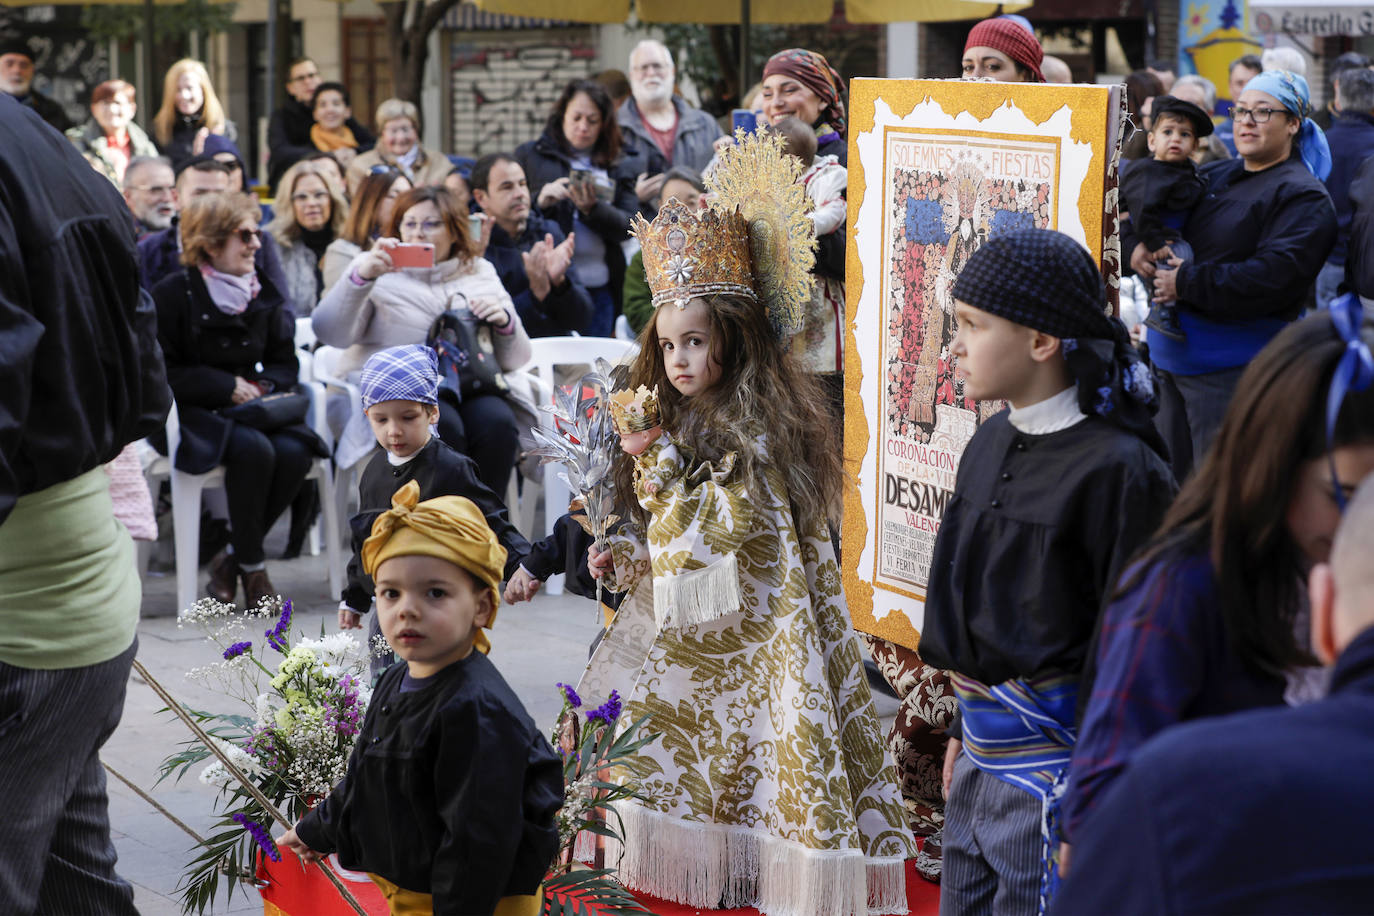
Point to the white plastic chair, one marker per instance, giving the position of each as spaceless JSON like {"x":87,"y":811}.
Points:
{"x":305,"y":334}
{"x":186,"y":493}
{"x":548,"y":352}
{"x":325,"y":362}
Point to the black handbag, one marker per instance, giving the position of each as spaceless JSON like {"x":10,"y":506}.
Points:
{"x":467,"y":358}
{"x":271,"y":411}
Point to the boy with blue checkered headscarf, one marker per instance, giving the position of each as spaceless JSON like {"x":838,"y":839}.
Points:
{"x":1052,"y":496}
{"x":400,"y":394}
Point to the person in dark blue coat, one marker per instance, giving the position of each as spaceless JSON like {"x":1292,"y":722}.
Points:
{"x":531,"y":254}
{"x":1183,"y":830}
{"x":1351,"y":137}
{"x":1259,"y":236}
{"x":1203,"y":624}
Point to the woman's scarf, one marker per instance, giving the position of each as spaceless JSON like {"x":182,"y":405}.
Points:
{"x":406,"y":161}
{"x":1291,"y":91}
{"x":327,"y":141}
{"x":229,"y":292}
{"x":1042,"y":279}
{"x":1016,"y":41}
{"x":815,"y":73}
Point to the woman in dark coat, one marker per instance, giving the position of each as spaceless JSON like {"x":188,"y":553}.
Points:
{"x":228,"y":339}
{"x":582,"y":136}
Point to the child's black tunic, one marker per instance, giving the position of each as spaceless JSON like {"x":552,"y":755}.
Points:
{"x":440,"y":471}
{"x":1031,"y":542}
{"x":451,"y":791}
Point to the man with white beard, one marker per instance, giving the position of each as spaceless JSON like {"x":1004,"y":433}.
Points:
{"x":653,"y":114}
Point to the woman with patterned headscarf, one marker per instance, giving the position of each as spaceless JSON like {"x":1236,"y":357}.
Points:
{"x":802,"y":84}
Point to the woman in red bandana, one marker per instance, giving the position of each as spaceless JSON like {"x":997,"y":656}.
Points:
{"x":1003,"y":50}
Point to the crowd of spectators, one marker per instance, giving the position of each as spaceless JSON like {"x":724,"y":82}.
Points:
{"x":534,"y":242}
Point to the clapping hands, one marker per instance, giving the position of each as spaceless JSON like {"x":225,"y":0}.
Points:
{"x":546,"y":264}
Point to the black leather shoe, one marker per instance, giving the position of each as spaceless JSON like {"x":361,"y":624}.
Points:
{"x":224,"y":578}
{"x":257,"y":587}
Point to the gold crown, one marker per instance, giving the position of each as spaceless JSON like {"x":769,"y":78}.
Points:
{"x":690,"y":253}
{"x":634,"y":411}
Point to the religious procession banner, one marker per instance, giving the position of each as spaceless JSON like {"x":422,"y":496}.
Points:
{"x":936,"y":168}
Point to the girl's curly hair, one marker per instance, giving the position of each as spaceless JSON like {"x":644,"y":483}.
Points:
{"x":761,"y":391}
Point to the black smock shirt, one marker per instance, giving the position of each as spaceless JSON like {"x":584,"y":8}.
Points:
{"x":450,"y":791}
{"x":440,"y":471}
{"x":1031,"y":543}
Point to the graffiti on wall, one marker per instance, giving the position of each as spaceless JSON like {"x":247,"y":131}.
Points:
{"x":502,"y":93}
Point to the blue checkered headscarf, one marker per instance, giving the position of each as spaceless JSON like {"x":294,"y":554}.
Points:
{"x":409,"y":373}
{"x":1042,"y":279}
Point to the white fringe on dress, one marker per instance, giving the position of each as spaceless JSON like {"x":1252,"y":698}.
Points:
{"x":715,"y":866}
{"x":697,"y":596}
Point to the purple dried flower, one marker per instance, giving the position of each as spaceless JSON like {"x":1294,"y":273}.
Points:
{"x":276,"y":637}
{"x":570,"y":695}
{"x":341,"y":709}
{"x":260,"y":836}
{"x":608,"y":711}
{"x":237,"y":649}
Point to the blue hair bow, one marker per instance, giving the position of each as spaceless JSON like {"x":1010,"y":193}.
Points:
{"x":1354,"y":372}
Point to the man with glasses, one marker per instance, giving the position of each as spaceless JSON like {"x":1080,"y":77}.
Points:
{"x":288,"y":132}
{"x":159,"y":253}
{"x":661,"y":120}
{"x":151,"y":194}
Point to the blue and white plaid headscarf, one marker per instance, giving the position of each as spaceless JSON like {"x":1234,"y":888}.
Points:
{"x":1291,"y":91}
{"x":409,"y":373}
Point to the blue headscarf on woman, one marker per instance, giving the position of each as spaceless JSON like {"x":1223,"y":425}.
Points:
{"x":1291,"y":91}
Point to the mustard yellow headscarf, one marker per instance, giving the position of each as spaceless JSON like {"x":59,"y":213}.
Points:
{"x":448,"y":528}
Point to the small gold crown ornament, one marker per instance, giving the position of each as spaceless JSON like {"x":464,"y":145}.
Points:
{"x":634,"y":411}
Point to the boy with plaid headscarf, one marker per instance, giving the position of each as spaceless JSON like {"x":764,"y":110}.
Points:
{"x":1051,"y":498}
{"x":400,"y":392}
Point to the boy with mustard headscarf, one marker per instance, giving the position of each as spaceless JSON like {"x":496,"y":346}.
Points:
{"x":449,"y":798}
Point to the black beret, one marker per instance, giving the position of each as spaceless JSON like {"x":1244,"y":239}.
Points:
{"x":14,"y":44}
{"x":1167,"y":104}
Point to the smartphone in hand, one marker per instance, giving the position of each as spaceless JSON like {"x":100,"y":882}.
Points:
{"x":743,"y":118}
{"x":412,"y":254}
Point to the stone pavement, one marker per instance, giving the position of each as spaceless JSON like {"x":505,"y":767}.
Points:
{"x":535,"y":646}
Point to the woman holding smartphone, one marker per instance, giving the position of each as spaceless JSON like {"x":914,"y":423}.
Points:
{"x":582,"y":176}
{"x":380,"y":303}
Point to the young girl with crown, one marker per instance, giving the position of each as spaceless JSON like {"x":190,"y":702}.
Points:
{"x":770,"y":785}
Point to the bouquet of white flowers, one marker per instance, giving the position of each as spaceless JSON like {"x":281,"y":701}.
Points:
{"x":307,"y":703}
